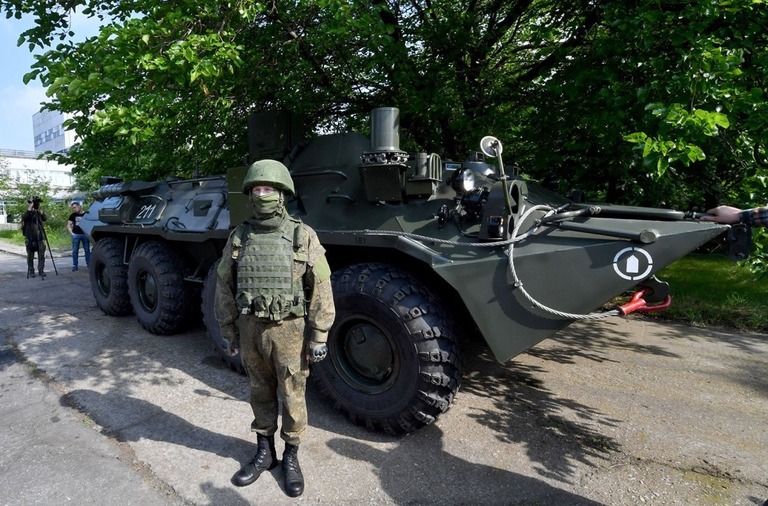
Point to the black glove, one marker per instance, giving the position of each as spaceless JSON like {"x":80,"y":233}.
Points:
{"x":317,"y":351}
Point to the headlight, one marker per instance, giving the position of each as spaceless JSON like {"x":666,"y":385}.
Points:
{"x":463,"y":180}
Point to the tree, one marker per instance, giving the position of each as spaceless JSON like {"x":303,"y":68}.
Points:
{"x":167,"y":87}
{"x":15,"y":191}
{"x":658,"y":103}
{"x":683,"y":83}
{"x":5,"y":177}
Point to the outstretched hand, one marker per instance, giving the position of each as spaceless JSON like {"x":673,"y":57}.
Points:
{"x":723,"y":214}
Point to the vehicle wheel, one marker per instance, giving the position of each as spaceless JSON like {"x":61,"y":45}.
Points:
{"x":156,"y":288}
{"x":212,"y":325}
{"x":392,"y":351}
{"x":109,"y":277}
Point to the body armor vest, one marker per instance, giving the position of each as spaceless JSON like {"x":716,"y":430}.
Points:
{"x":266,"y":285}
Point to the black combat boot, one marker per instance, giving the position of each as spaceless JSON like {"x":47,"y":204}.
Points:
{"x":264,"y":460}
{"x":294,"y":480}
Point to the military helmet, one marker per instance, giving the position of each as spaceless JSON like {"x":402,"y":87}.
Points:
{"x":269,"y":173}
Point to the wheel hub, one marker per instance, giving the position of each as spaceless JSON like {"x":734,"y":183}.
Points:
{"x":147,"y":290}
{"x":102,"y":279}
{"x":366,"y":357}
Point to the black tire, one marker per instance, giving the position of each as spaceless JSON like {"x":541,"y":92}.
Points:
{"x":392,"y":361}
{"x":109,"y":277}
{"x":212,"y":325}
{"x":156,"y":288}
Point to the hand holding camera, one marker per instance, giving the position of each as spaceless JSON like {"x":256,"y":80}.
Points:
{"x":34,"y":203}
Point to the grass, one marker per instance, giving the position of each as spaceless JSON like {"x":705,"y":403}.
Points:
{"x":710,"y":290}
{"x":59,"y":240}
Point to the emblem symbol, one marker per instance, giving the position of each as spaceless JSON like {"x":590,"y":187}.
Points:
{"x":633,"y":263}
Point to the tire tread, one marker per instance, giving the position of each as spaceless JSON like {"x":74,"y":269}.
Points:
{"x":434,"y":341}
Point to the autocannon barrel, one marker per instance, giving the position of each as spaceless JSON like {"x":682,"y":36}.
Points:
{"x":109,"y":190}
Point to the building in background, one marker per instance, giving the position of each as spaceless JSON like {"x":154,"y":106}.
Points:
{"x":48,"y":129}
{"x":25,"y":167}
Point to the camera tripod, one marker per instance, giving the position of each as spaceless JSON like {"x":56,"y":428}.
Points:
{"x":42,"y":236}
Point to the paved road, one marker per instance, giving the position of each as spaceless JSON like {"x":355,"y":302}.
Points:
{"x":616,"y":412}
{"x":51,"y":453}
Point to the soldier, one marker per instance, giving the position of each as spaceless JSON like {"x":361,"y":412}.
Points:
{"x":274,"y":305}
{"x":32,"y":229}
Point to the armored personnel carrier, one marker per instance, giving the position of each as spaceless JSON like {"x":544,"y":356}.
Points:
{"x":423,"y":251}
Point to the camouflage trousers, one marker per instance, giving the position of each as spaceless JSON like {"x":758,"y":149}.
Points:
{"x":274,"y":358}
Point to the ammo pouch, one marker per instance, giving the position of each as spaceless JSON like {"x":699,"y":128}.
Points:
{"x":272,"y":307}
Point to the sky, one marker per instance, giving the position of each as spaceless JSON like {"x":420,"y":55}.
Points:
{"x":19,"y":102}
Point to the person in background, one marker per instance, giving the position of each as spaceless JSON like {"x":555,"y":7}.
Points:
{"x":274,"y":305}
{"x":34,"y":236}
{"x":756,"y":216}
{"x":78,"y":236}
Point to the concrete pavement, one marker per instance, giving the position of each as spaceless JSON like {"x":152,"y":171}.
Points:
{"x":51,"y":453}
{"x":616,"y":412}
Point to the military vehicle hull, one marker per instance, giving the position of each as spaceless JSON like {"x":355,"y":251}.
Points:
{"x":420,"y":261}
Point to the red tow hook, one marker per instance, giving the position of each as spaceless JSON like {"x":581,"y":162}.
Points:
{"x":637,"y":303}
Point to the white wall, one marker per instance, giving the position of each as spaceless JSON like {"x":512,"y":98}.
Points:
{"x":26,"y":166}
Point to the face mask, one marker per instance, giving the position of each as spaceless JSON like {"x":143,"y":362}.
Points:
{"x":265,"y":206}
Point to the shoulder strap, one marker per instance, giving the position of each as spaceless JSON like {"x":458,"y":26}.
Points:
{"x":298,"y":235}
{"x":241,"y":233}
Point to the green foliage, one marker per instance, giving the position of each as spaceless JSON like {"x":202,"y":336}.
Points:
{"x":17,"y":191}
{"x":664,"y":105}
{"x":664,"y":151}
{"x":58,"y":238}
{"x":707,"y":112}
{"x":166,"y":88}
{"x":57,"y":213}
{"x":757,"y":262}
{"x":712,"y":290}
{"x":653,"y":103}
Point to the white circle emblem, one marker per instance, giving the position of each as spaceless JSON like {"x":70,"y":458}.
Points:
{"x":628,"y":263}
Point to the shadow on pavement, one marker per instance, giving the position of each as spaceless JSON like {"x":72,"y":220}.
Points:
{"x":419,"y":471}
{"x":525,"y":411}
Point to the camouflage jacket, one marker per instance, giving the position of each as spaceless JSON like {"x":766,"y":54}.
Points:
{"x":310,"y":265}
